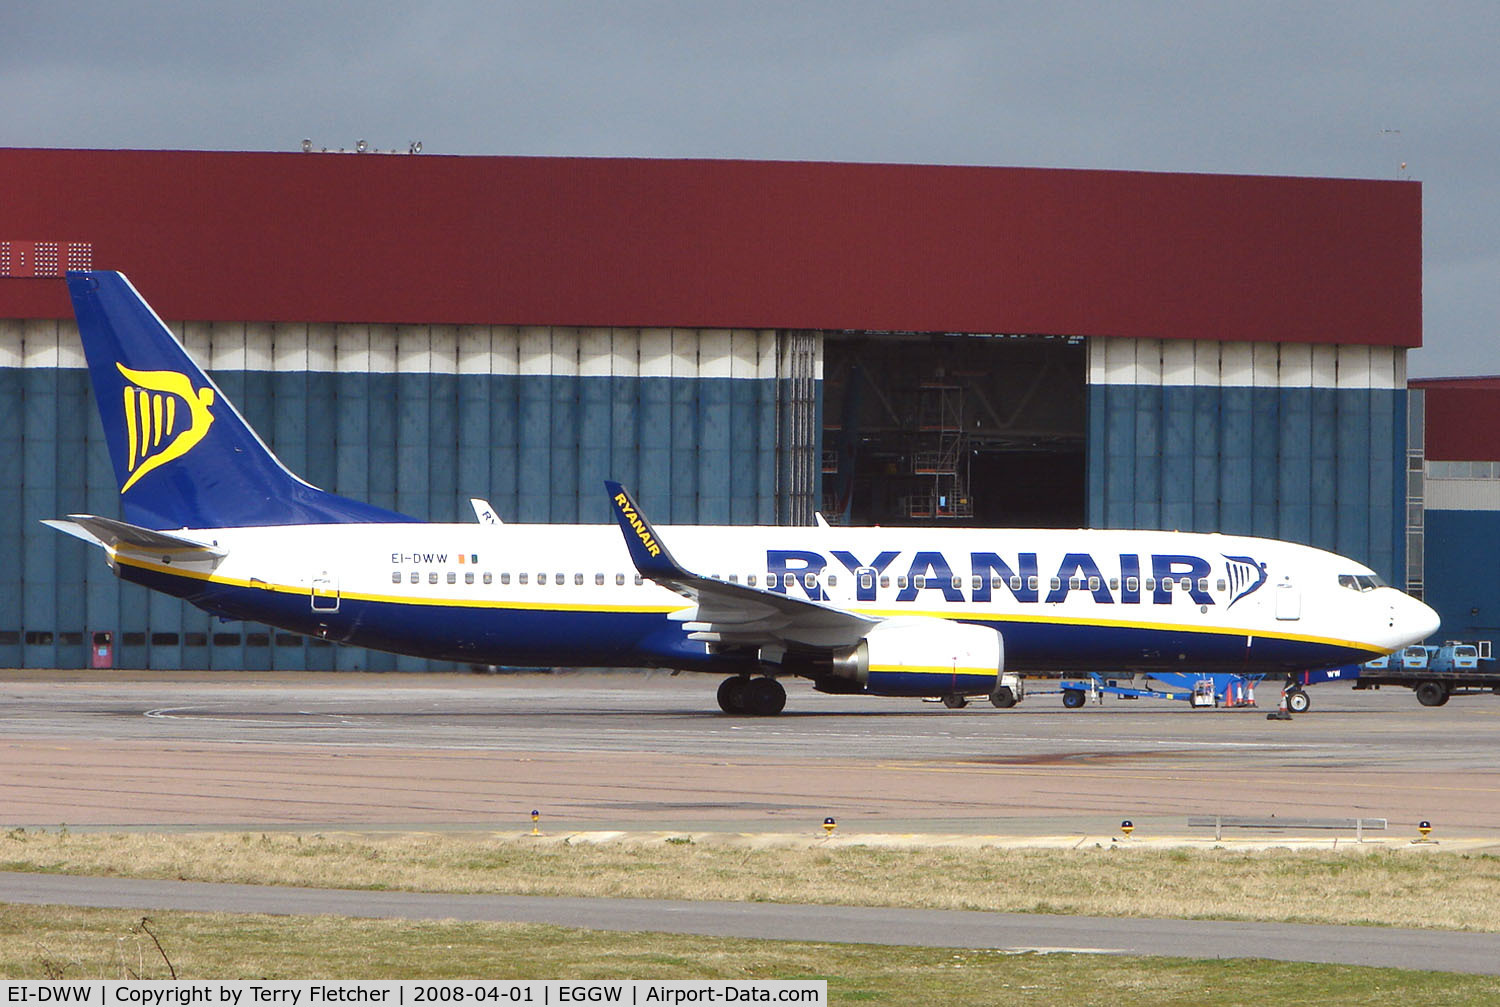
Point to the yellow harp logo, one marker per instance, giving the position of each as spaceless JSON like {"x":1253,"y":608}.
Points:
{"x":156,"y":431}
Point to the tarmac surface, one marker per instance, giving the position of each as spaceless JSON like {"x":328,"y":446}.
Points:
{"x":650,"y":751}
{"x":605,"y":755}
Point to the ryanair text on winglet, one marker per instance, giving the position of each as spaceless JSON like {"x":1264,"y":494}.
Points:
{"x":639,"y":526}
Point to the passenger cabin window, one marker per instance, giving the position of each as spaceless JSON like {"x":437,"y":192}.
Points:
{"x":1074,"y":583}
{"x":833,"y":580}
{"x":809,"y":581}
{"x":489,"y":577}
{"x":866,"y":581}
{"x":1031,"y":583}
{"x":395,"y":576}
{"x":432,"y":577}
{"x":1132,"y":584}
{"x":1151,"y":584}
{"x":1203,"y":585}
{"x":521,"y":578}
{"x":1114,"y":583}
{"x":504,"y":578}
{"x":1093,"y":583}
{"x":598,"y":580}
{"x":416,"y":578}
{"x":750,"y":579}
{"x":1167,"y":583}
{"x":452,"y":577}
{"x":734,"y":578}
{"x":919,"y":581}
{"x":639,"y":580}
{"x":958,"y":583}
{"x":1221,"y":586}
{"x":578,"y":579}
{"x":619,"y":580}
{"x":468,"y":576}
{"x":885,"y":582}
{"x":1056,"y":584}
{"x":901,"y":582}
{"x":1015,"y":583}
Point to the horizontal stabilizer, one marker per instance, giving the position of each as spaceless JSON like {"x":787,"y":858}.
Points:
{"x":116,"y":535}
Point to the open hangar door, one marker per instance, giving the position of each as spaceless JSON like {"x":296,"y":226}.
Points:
{"x":944,"y":429}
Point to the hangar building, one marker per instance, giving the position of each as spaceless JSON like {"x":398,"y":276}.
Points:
{"x":740,"y":342}
{"x":1455,"y":510}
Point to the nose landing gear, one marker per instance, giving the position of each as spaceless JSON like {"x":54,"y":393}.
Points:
{"x":754,"y":697}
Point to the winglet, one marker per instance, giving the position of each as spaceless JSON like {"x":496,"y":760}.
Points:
{"x":647,"y":551}
{"x":484,"y":511}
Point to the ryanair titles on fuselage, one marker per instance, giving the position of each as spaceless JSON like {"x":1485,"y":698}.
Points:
{"x":988,"y":572}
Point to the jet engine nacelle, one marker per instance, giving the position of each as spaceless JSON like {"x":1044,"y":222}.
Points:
{"x":921,"y":657}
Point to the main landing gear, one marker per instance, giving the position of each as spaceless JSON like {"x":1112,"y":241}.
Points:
{"x":754,"y":697}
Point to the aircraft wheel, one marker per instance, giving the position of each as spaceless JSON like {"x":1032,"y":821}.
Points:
{"x":1431,"y":693}
{"x":1298,"y":701}
{"x":1003,"y":698}
{"x":764,"y":697}
{"x":955,"y":702}
{"x":1074,"y":698}
{"x":732,"y":693}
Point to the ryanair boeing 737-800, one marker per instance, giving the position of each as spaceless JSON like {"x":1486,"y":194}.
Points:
{"x":210,"y":515}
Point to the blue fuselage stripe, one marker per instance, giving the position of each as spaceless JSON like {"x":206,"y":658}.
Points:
{"x":572,"y":637}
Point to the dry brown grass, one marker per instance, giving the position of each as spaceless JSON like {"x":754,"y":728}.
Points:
{"x":1393,"y":887}
{"x":36,"y":941}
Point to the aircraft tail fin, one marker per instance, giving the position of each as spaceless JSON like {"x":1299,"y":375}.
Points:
{"x":183,"y":456}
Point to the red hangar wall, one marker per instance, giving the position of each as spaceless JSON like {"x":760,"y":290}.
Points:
{"x":1191,"y":351}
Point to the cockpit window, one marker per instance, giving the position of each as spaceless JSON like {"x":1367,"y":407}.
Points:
{"x":1360,"y":582}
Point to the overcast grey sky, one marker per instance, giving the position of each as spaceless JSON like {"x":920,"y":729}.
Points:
{"x":1347,"y":90}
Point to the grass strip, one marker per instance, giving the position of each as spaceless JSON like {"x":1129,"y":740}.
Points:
{"x":38,"y":942}
{"x":1387,"y":887}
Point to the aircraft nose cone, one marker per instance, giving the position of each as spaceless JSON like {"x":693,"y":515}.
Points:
{"x":1419,"y":620}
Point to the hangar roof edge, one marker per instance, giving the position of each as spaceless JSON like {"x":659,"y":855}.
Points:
{"x":429,"y":238}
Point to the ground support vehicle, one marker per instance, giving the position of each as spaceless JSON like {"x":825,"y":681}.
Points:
{"x":1198,"y":691}
{"x":1434,"y":674}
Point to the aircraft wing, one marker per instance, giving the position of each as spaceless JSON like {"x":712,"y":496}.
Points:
{"x":732,"y":613}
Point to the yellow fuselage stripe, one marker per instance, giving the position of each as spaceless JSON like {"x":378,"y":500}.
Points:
{"x":981,"y":616}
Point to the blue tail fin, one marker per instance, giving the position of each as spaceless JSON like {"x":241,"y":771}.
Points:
{"x":183,"y":456}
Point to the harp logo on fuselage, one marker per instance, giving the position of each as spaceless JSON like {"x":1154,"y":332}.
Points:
{"x":165,"y":418}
